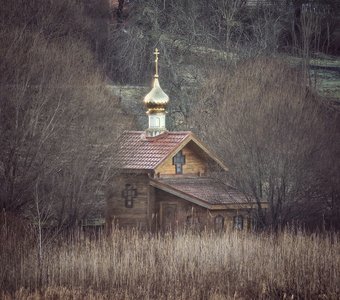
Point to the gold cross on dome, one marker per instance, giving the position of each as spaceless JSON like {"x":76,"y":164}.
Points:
{"x":156,"y":61}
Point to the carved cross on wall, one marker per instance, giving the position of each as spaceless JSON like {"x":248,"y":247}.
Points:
{"x":129,"y":193}
{"x":178,"y":161}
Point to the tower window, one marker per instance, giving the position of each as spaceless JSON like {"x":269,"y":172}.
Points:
{"x":155,"y":122}
{"x":238,"y":222}
{"x":178,"y":161}
{"x":129,"y":194}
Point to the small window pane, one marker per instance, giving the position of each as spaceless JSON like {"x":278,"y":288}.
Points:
{"x":178,"y":160}
{"x":129,"y":193}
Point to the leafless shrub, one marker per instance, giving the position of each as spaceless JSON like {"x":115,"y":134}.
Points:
{"x":58,"y":124}
{"x":271,"y":131}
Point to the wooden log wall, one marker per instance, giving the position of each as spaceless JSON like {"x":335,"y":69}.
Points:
{"x":194,"y":164}
{"x":189,"y":214}
{"x":140,"y":213}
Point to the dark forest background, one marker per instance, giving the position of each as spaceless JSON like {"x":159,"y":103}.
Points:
{"x":244,"y":68}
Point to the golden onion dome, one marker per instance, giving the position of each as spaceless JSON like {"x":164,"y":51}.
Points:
{"x":156,"y":98}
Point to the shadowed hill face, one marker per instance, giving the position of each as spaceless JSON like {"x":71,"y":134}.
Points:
{"x":192,"y":47}
{"x":83,"y":20}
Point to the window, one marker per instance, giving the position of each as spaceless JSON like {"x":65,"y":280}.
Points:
{"x":219,"y":223}
{"x":154,"y":122}
{"x":129,"y":193}
{"x":178,"y":161}
{"x":254,"y":224}
{"x":238,"y":222}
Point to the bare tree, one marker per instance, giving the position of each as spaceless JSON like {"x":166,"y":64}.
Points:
{"x":271,"y":131}
{"x":58,"y":124}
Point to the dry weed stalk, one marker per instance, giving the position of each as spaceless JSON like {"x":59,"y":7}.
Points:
{"x":135,"y":265}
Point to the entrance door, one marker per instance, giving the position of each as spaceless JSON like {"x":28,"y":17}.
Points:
{"x":169,"y":213}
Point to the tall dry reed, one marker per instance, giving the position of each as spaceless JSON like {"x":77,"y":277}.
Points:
{"x":135,"y":265}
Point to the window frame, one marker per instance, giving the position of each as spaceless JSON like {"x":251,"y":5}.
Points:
{"x":129,"y":198}
{"x":238,"y":222}
{"x":179,"y":164}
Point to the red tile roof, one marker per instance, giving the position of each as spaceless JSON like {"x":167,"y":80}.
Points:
{"x":136,"y":151}
{"x":208,"y":190}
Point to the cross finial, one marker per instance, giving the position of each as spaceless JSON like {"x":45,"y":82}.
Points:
{"x":156,"y":62}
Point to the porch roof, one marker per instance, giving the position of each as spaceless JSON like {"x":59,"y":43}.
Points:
{"x":204,"y":191}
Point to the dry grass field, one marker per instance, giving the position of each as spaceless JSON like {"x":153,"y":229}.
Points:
{"x":135,"y":265}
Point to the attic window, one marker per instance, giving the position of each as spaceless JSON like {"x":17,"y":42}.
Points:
{"x":129,"y":193}
{"x":178,"y":161}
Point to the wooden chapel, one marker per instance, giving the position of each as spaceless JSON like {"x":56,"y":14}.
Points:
{"x":164,"y":180}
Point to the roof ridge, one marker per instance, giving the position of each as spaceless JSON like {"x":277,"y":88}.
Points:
{"x":169,"y":132}
{"x":136,"y":152}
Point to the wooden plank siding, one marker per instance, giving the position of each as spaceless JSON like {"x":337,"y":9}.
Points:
{"x":136,"y":216}
{"x":150,"y":204}
{"x":157,"y":205}
{"x":194,"y":164}
{"x":188,"y":211}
